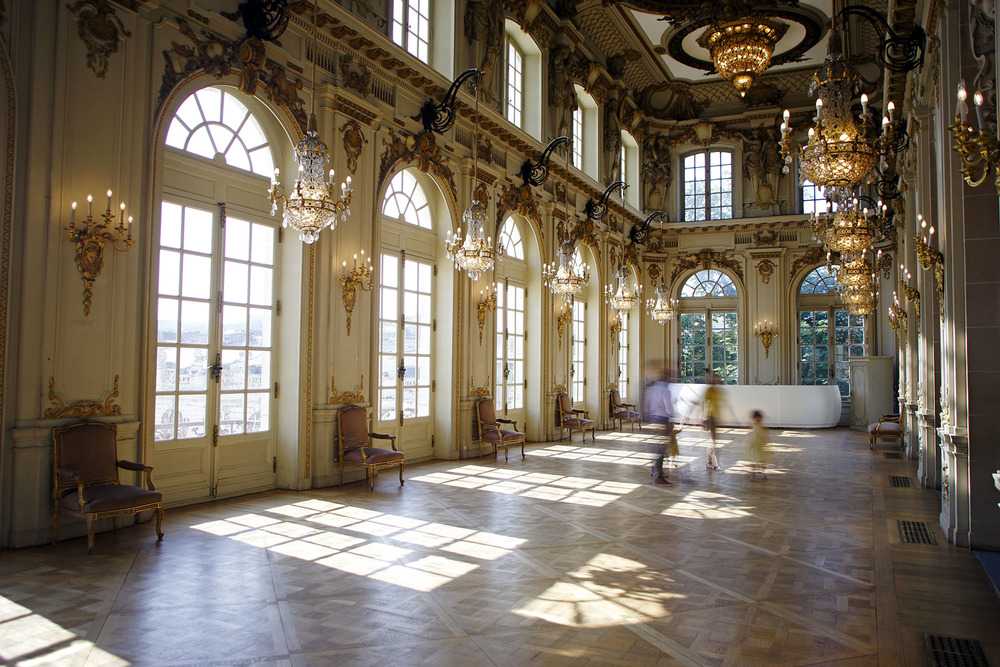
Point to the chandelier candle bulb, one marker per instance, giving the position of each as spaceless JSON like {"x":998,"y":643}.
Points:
{"x":892,"y":110}
{"x":864,"y":104}
{"x":72,"y":214}
{"x":90,"y":206}
{"x":108,"y":207}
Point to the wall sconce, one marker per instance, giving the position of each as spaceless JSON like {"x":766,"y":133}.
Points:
{"x":703,"y":133}
{"x":929,"y":258}
{"x":487,"y":302}
{"x":911,"y":293}
{"x":766,"y":332}
{"x":360,"y":276}
{"x":91,"y":239}
{"x":978,"y":150}
{"x":565,"y":315}
{"x":897,"y":318}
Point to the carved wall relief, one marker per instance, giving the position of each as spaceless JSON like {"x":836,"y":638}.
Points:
{"x":101,"y":31}
{"x":354,"y":141}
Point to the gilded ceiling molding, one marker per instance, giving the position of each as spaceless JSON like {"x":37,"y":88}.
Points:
{"x":354,"y":141}
{"x":356,"y":396}
{"x":421,"y":147}
{"x":101,"y":31}
{"x":105,"y":407}
{"x":219,"y":57}
{"x":813,"y":255}
{"x":706,"y":259}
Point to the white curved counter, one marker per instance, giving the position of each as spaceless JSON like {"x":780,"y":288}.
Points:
{"x":783,"y":405}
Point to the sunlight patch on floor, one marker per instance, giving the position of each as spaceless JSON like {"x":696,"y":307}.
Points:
{"x":30,"y":638}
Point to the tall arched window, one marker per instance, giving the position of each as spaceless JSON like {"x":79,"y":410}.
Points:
{"x":406,"y":316}
{"x":623,"y":375}
{"x":708,"y":185}
{"x":829,"y":335}
{"x":585,"y":139}
{"x":214,"y":314}
{"x":709,"y":328}
{"x":511,"y":324}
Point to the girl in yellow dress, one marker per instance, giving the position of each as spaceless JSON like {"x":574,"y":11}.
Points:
{"x":711,"y":405}
{"x":759,"y":452}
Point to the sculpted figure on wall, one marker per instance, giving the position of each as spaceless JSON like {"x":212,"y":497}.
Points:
{"x":982,"y":26}
{"x":562,"y":95}
{"x":484,"y":24}
{"x":762,"y":164}
{"x":613,"y":135}
{"x":656,"y":171}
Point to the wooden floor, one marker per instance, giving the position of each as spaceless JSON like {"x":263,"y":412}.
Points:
{"x":570,"y":556}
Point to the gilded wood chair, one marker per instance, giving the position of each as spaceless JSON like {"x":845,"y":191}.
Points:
{"x":354,"y":445}
{"x":490,"y":431}
{"x":889,"y":427}
{"x":622,"y":412}
{"x":573,"y":420}
{"x":85,"y":480}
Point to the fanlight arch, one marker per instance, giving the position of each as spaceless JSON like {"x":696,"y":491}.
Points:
{"x":214,"y":124}
{"x":709,"y":282}
{"x":510,"y":240}
{"x":406,"y":200}
{"x":818,"y":281}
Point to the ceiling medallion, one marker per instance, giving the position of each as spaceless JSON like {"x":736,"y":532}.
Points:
{"x":742,"y":49}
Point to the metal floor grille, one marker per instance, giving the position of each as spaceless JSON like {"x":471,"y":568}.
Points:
{"x":898,"y":480}
{"x":893,"y":455}
{"x":954,"y":652}
{"x":915,"y":532}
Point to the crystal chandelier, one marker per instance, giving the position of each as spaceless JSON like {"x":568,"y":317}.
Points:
{"x":848,"y":231}
{"x":838,"y":154}
{"x":857,"y":284}
{"x":662,"y":308}
{"x":313,"y":205}
{"x":476,"y":253}
{"x":741,"y":50}
{"x":623,"y":298}
{"x":568,"y":277}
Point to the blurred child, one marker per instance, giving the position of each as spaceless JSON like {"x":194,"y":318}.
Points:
{"x":673,"y":451}
{"x":711,"y":406}
{"x":759,"y":452}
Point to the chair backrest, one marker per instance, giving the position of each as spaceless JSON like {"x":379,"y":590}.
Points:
{"x":88,"y":448}
{"x":486,"y":411}
{"x":616,"y":399}
{"x":352,"y":427}
{"x":564,"y":407}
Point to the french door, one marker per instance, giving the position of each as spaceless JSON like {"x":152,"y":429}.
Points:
{"x":510,"y":379}
{"x":405,"y":372}
{"x":709,"y":341}
{"x":213,"y":398}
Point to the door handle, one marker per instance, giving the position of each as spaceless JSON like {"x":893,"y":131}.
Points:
{"x":215,"y":370}
{"x":401,"y":370}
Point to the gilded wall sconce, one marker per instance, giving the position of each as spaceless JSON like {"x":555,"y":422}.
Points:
{"x":911,"y":293}
{"x":766,"y":332}
{"x":487,"y":303}
{"x":930,"y":258}
{"x":90,"y":242}
{"x":979,"y":150}
{"x":565,"y":315}
{"x":359,"y":276}
{"x":897,"y":318}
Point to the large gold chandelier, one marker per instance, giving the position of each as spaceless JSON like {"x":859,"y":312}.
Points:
{"x":857,"y":284}
{"x":741,"y":50}
{"x":662,"y":308}
{"x":848,"y":231}
{"x":313,"y":205}
{"x":568,"y":277}
{"x":838,"y":154}
{"x":624,"y":297}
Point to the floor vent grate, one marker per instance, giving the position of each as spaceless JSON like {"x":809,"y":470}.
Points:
{"x":954,"y":652}
{"x":915,"y":532}
{"x":893,"y":455}
{"x":900,"y":481}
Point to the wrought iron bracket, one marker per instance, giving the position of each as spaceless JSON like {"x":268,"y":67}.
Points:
{"x":896,"y":53}
{"x":536,"y":173}
{"x":639,"y":234}
{"x":440,"y":117}
{"x":597,"y":210}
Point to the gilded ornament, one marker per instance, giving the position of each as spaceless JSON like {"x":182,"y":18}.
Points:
{"x":811,"y":256}
{"x":359,"y":276}
{"x":478,"y":392}
{"x":105,"y":407}
{"x":487,"y":303}
{"x":354,"y":142}
{"x":421,"y":147}
{"x":559,"y":389}
{"x":519,"y":198}
{"x":356,"y":396}
{"x":654,"y":273}
{"x":100,"y":30}
{"x":706,"y":259}
{"x":766,"y":269}
{"x":253,"y":54}
{"x":564,"y":318}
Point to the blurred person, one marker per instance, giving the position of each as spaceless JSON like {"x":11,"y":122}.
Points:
{"x":758,"y":450}
{"x":659,"y":408}
{"x":711,"y":403}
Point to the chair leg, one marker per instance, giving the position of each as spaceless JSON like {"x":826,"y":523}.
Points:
{"x":871,"y":442}
{"x":55,"y":527}
{"x":90,"y":535}
{"x":159,"y":524}
{"x":522,"y":449}
{"x":506,"y":457}
{"x":114,"y":524}
{"x":401,"y":474}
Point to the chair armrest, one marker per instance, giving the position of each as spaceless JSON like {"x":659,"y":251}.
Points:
{"x":626,"y":405}
{"x":66,"y":475}
{"x":585,"y":413}
{"x":508,"y":421}
{"x":136,"y":467}
{"x":384,"y":436}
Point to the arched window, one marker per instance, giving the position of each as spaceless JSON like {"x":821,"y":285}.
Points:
{"x":623,"y":374}
{"x":510,"y":239}
{"x":411,"y":26}
{"x":709,"y":283}
{"x":708,"y":185}
{"x":630,"y":168}
{"x":709,"y":328}
{"x":523,"y":84}
{"x":829,"y":335}
{"x":585,"y":139}
{"x":215,"y":125}
{"x":405,"y":201}
{"x":515,"y":82}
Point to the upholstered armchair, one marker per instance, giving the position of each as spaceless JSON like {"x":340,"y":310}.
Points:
{"x":623,"y":412}
{"x":85,"y":480}
{"x":889,"y":427}
{"x":490,"y":431}
{"x":573,"y":420}
{"x":354,"y":445}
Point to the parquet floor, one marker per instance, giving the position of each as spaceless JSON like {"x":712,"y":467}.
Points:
{"x":570,"y":556}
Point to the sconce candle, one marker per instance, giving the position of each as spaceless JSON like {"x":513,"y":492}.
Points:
{"x":978,"y":99}
{"x":963,"y":108}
